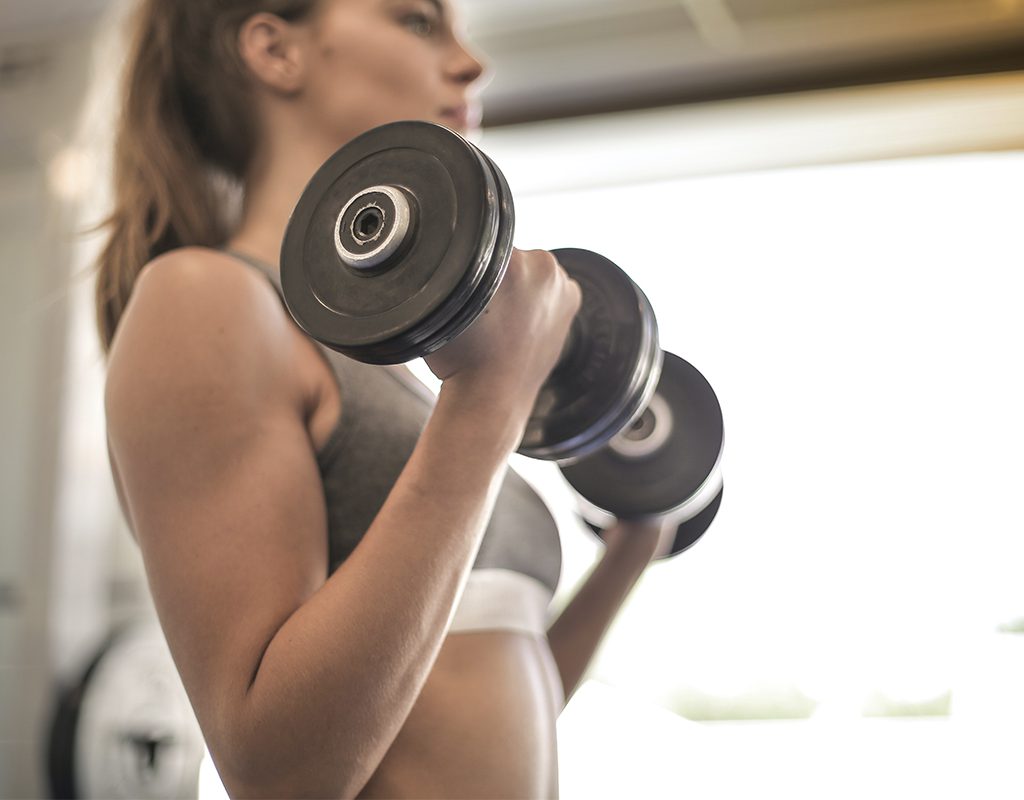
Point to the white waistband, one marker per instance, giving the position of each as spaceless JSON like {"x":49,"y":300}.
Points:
{"x":501,"y":599}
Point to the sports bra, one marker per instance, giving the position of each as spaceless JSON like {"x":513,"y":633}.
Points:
{"x":382,"y":416}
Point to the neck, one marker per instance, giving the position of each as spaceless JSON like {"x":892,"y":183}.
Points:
{"x":272,"y":188}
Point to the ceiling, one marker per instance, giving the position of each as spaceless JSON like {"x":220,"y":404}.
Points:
{"x":557,"y":58}
{"x":570,"y":57}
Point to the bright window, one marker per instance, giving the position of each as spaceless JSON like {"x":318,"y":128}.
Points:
{"x":862,"y":326}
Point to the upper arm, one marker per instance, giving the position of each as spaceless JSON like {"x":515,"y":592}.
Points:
{"x":206,"y":425}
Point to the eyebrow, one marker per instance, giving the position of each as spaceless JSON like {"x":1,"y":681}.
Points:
{"x":440,"y":7}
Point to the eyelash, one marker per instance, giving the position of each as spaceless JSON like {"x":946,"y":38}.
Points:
{"x":422,"y":19}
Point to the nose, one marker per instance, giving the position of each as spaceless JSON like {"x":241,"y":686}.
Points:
{"x":467,"y":67}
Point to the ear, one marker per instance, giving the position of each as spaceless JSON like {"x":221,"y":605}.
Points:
{"x":271,"y":49}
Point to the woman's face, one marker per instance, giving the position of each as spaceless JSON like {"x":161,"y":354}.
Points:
{"x":378,"y":61}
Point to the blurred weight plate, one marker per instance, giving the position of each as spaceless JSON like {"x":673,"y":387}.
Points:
{"x":667,"y":461}
{"x":127,"y":730}
{"x":687,"y":533}
{"x":690,"y":531}
{"x":610,"y":370}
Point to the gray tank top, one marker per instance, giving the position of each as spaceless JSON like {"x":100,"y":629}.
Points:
{"x":381,"y":421}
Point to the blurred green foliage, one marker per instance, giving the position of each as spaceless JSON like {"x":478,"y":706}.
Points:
{"x":878,"y":704}
{"x":760,"y":701}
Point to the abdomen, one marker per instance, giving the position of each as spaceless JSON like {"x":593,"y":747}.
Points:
{"x":483,"y":726}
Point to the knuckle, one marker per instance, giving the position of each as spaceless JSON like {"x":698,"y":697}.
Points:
{"x":543,"y":259}
{"x":551,"y":261}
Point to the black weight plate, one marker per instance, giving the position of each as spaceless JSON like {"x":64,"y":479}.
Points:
{"x":464,"y":311}
{"x":662,"y":481}
{"x":388,"y":315}
{"x":689,"y":532}
{"x":606,"y":379}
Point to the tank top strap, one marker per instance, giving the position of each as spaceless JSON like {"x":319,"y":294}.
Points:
{"x":260,"y":266}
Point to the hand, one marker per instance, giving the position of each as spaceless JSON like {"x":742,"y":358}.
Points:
{"x":517,"y":340}
{"x":642,"y":540}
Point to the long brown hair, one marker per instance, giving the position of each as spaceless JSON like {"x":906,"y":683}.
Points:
{"x":186,"y":125}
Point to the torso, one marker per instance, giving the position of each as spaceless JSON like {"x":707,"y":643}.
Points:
{"x":483,"y":726}
{"x":484,"y":722}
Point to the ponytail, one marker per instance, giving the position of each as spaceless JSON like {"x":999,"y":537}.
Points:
{"x":186,"y":125}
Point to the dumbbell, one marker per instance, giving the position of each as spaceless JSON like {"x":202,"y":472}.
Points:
{"x":402,"y":237}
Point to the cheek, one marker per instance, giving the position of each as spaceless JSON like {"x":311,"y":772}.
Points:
{"x":374,"y":64}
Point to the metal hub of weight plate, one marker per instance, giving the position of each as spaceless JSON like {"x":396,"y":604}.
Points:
{"x":667,"y":462}
{"x":126,"y":729}
{"x":609,"y":372}
{"x":397,"y":243}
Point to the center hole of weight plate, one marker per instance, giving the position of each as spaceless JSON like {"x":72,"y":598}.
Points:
{"x":648,"y":433}
{"x":367,"y":224}
{"x":641,"y":428}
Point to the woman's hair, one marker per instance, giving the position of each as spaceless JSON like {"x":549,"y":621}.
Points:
{"x":186,"y":124}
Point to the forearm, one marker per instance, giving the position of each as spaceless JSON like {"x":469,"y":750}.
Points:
{"x":578,"y":631}
{"x":339,"y":678}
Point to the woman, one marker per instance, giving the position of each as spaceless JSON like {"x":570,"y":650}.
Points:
{"x":351,"y":583}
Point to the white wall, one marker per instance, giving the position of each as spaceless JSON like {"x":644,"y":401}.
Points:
{"x":37,"y":251}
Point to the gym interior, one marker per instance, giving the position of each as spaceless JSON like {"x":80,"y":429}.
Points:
{"x":822,"y":202}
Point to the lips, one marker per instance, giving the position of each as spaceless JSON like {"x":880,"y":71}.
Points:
{"x":464,"y":116}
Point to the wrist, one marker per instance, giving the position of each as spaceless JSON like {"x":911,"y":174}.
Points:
{"x":634,"y":543}
{"x":487,"y":406}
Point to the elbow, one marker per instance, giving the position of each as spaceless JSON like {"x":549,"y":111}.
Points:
{"x":282,"y":780}
{"x":253,"y":767}
{"x":274,"y":742}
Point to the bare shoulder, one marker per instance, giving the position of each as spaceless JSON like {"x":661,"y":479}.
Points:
{"x":204,"y":354}
{"x":196,"y":314}
{"x":194,"y":291}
